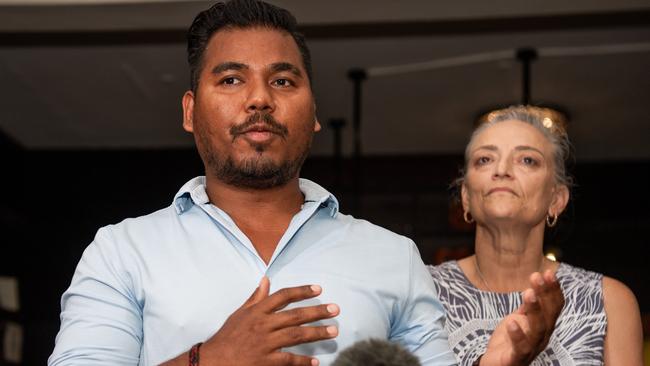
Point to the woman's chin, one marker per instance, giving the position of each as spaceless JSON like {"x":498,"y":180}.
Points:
{"x":502,"y":212}
{"x":502,"y":216}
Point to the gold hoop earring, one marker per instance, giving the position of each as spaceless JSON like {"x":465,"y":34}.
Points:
{"x":550,"y":223}
{"x":470,"y":220}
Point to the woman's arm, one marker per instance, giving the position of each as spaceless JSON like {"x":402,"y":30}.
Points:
{"x":624,"y":337}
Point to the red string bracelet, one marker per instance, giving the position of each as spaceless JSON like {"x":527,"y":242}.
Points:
{"x":194,"y":354}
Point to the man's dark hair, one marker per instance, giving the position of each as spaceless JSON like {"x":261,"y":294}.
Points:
{"x":239,"y":14}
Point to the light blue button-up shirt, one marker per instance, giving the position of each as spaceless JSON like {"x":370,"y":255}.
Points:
{"x":148,"y":288}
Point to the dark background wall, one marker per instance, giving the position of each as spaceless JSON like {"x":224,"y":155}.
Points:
{"x":54,"y":201}
{"x":89,"y":123}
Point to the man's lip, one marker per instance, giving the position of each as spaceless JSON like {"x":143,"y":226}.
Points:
{"x":501,"y":189}
{"x":258,"y":135}
{"x":258,"y":128}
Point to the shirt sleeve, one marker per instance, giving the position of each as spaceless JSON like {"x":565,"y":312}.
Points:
{"x":420,"y":323}
{"x":101,"y":320}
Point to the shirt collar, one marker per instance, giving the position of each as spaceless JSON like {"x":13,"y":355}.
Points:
{"x":193,"y":193}
{"x":315,"y":193}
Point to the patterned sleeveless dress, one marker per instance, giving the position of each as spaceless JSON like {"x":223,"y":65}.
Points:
{"x":472,"y":316}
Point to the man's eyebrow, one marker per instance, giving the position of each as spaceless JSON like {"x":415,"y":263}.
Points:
{"x":286,"y":66}
{"x":225,"y":66}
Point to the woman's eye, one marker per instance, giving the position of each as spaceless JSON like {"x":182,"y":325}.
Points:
{"x":529,"y":161}
{"x":482,"y":160}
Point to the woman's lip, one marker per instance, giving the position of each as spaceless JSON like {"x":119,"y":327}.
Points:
{"x":501,"y":189}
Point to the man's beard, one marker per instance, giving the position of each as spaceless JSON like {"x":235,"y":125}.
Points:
{"x":258,"y":172}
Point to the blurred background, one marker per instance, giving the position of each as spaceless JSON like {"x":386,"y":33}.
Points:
{"x":90,"y":126}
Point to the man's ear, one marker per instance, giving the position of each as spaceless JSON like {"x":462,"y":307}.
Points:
{"x":317,"y":126}
{"x":188,"y":111}
{"x":560,"y":199}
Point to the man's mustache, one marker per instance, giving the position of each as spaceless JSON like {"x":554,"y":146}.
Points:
{"x":269,"y":122}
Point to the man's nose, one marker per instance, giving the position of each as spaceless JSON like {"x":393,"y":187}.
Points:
{"x":260,"y":97}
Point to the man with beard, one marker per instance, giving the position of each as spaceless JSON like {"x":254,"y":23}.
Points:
{"x":169,"y":287}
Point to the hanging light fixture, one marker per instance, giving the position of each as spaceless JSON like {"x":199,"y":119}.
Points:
{"x":555,"y":118}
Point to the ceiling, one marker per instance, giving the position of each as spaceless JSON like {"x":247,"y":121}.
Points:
{"x":110,"y":74}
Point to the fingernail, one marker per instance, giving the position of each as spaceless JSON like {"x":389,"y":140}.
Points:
{"x":332,"y":330}
{"x":540,"y":281}
{"x":314,"y":362}
{"x":315,"y":288}
{"x":331,"y":308}
{"x":533,"y":298}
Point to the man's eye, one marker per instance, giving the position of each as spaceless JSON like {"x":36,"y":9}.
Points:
{"x":282,"y":82}
{"x":482,"y":160}
{"x":230,"y":81}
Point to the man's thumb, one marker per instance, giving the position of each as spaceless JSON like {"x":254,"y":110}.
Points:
{"x":260,"y":293}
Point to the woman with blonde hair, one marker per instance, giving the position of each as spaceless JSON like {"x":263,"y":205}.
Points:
{"x":514,"y":185}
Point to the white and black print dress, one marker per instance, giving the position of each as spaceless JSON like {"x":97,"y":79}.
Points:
{"x":472,"y":316}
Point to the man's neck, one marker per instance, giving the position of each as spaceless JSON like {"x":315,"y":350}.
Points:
{"x":263,"y":215}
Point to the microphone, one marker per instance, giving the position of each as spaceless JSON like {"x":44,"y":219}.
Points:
{"x":376,"y":352}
